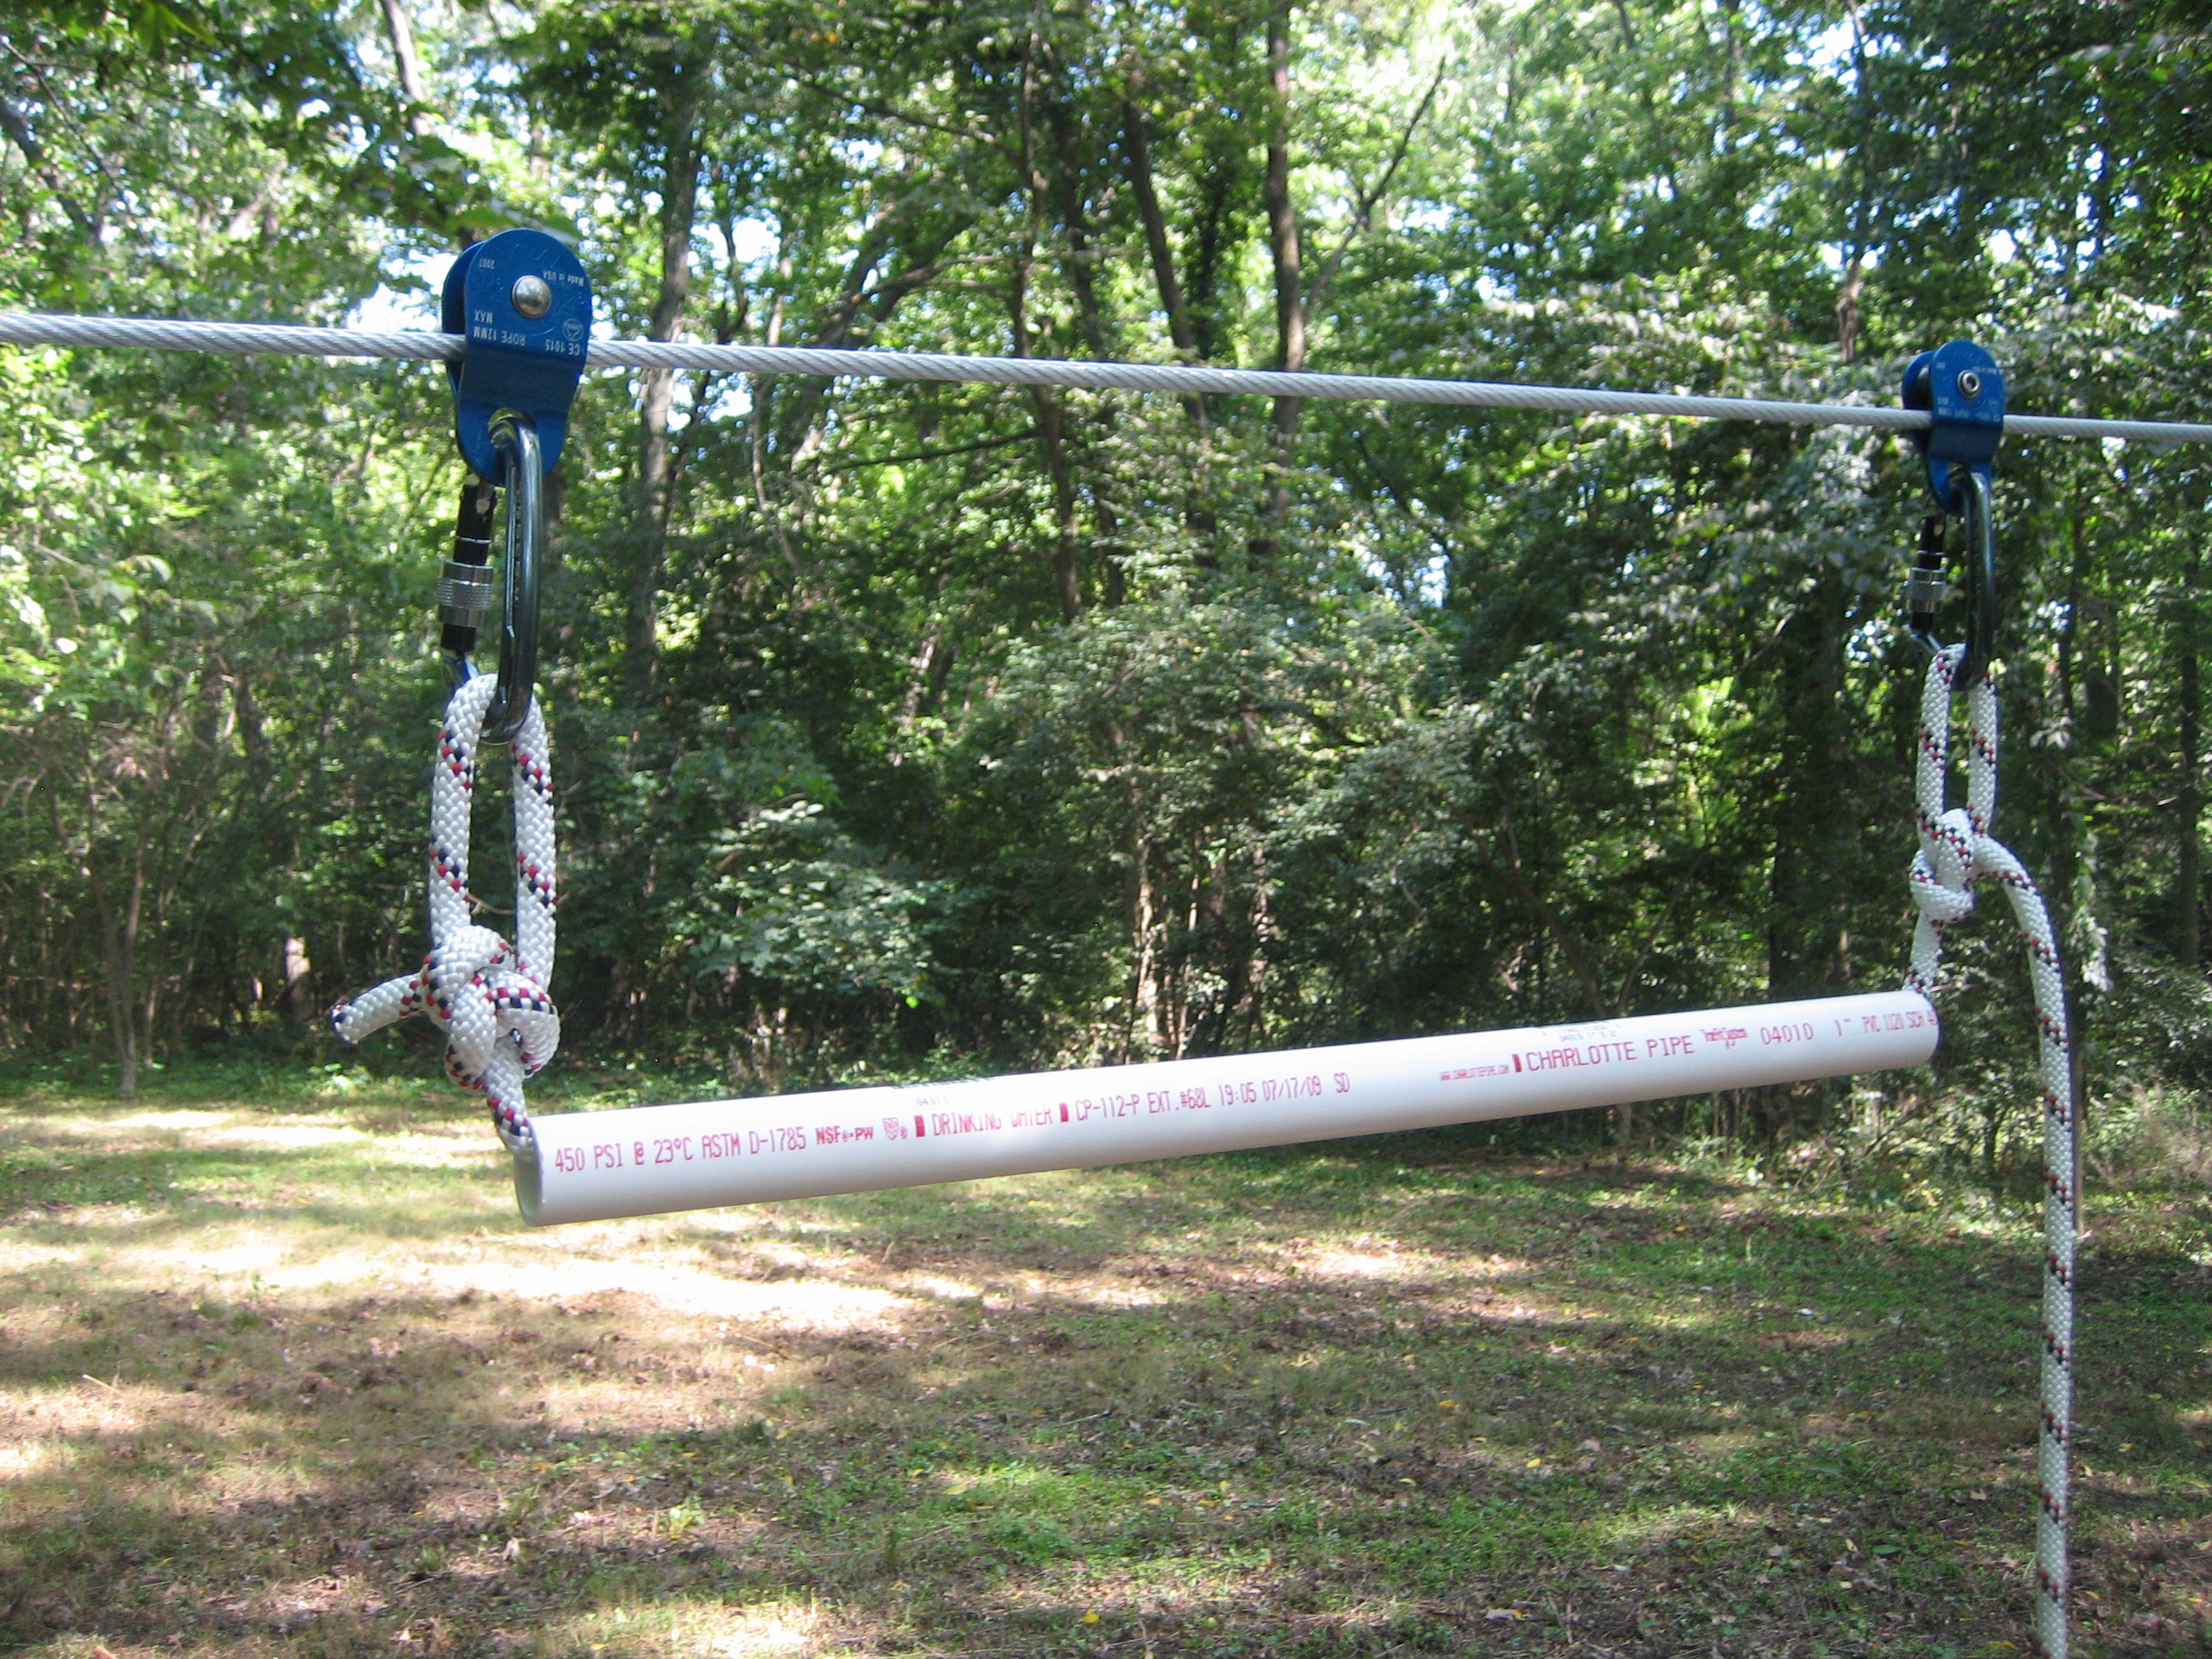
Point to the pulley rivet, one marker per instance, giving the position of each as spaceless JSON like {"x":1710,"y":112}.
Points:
{"x":1970,"y":380}
{"x":534,"y":298}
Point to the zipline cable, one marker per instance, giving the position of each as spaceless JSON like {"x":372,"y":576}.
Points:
{"x":23,"y":328}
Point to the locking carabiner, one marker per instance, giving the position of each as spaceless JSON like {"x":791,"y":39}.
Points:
{"x":464,"y":591}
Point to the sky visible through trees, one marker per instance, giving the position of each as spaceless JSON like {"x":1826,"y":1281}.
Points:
{"x":918,"y":730}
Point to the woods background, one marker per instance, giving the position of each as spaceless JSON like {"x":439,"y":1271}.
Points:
{"x":914,"y":730}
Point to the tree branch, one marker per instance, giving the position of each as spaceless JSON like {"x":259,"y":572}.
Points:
{"x":1363,"y":216}
{"x":34,"y":153}
{"x":892,"y":113}
{"x":944,"y":453}
{"x":402,"y":35}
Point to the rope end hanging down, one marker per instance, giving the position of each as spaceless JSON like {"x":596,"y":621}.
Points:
{"x":1956,"y":851}
{"x":1964,"y":390}
{"x":489,"y":996}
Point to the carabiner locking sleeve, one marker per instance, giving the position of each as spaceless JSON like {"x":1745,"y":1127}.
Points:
{"x":1925,"y":587}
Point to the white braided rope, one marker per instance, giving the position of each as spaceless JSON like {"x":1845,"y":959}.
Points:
{"x":488,"y":996}
{"x":1956,"y":850}
{"x":24,"y":328}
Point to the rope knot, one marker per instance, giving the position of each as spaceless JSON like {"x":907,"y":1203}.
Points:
{"x":1947,"y":867}
{"x":488,"y":996}
{"x":1955,"y":849}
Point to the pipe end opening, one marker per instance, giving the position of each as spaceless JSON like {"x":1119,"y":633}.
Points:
{"x":529,"y":1185}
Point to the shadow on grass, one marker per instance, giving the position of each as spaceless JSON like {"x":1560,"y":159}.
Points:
{"x":1413,"y":1395}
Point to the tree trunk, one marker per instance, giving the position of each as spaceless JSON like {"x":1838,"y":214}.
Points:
{"x":1069,"y":146}
{"x":1146,"y":1037}
{"x":1066,"y":571}
{"x":299,"y":984}
{"x":119,"y":937}
{"x":1282,"y":217}
{"x":1137,"y":147}
{"x":2189,"y":798}
{"x":401,"y":33}
{"x":115,"y":943}
{"x":1813,"y":851}
{"x":1847,"y":318}
{"x":1147,"y":195}
{"x":1283,"y":244}
{"x":679,"y":203}
{"x":1051,"y":411}
{"x":1847,"y":310}
{"x":1099,"y":332}
{"x":1181,"y":330}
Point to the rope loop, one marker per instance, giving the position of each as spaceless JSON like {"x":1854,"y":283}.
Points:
{"x":1952,"y":838}
{"x":486,"y":995}
{"x":1956,"y":853}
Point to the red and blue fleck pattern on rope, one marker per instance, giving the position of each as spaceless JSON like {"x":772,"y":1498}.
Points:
{"x":1956,"y":851}
{"x":488,"y":996}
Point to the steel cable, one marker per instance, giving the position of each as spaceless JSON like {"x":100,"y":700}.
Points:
{"x":21,"y":328}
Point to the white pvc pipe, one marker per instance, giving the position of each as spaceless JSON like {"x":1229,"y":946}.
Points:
{"x":648,"y":1160}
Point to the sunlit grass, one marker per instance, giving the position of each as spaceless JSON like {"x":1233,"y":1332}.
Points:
{"x":288,"y":1377}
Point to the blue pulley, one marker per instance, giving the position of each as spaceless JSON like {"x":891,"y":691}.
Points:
{"x":1962,"y":387}
{"x":523,"y":304}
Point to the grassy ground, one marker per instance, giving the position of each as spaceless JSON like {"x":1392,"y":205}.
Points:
{"x":295,"y":1382}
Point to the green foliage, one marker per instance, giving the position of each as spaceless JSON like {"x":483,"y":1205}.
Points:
{"x":802,"y":904}
{"x":916,"y":728}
